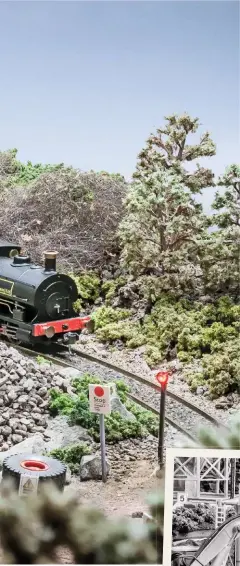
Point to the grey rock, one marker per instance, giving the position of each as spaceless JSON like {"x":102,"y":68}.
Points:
{"x":14,"y":376}
{"x":42,"y":391}
{"x":12,"y":395}
{"x":9,"y":363}
{"x":23,"y":399}
{"x":62,"y":435}
{"x":91,"y":468}
{"x":3,"y":381}
{"x":16,"y":438}
{"x":70,"y":373}
{"x":28,"y":384}
{"x":21,"y":371}
{"x":117,"y":405}
{"x":6,"y":430}
{"x":58,"y":381}
{"x":44,"y":368}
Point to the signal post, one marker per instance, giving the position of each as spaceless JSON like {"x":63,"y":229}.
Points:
{"x":162,"y":378}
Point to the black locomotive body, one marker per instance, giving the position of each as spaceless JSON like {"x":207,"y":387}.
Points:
{"x":36,"y":302}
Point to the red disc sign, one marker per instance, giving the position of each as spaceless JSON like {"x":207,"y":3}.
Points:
{"x":162,"y":377}
{"x":98,"y":391}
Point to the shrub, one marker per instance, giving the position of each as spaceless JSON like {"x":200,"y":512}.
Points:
{"x":110,"y":288}
{"x":72,"y":455}
{"x":106,"y":315}
{"x":88,"y":285}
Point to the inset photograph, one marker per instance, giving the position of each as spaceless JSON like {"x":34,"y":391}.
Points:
{"x":202,"y":508}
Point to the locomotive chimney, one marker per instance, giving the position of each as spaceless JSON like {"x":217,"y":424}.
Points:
{"x":50,"y":261}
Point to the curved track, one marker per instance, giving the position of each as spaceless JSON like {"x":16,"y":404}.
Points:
{"x":65,"y":359}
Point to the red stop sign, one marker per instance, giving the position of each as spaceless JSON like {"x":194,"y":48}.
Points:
{"x":98,"y":391}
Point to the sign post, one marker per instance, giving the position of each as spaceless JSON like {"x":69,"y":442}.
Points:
{"x":100,"y":402}
{"x":162,"y":378}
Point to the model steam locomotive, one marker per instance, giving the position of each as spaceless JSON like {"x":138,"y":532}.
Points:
{"x":36,"y":302}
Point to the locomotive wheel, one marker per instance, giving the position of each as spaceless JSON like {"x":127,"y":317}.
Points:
{"x":47,"y":469}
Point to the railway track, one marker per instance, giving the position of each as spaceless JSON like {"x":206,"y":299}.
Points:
{"x":65,"y":359}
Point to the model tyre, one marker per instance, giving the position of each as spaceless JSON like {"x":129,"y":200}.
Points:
{"x":30,"y":465}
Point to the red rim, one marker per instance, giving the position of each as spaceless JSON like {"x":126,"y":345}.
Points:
{"x":34,"y":465}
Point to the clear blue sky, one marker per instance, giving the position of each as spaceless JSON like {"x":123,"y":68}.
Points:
{"x":86,"y":82}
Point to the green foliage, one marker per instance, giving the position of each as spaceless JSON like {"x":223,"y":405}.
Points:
{"x":220,"y":257}
{"x":168,"y":149}
{"x":188,"y":519}
{"x":145,"y":418}
{"x":125,"y":331}
{"x":72,"y":455}
{"x":61,"y":403}
{"x":110,"y":288}
{"x":106,"y":315}
{"x":29,"y":172}
{"x":41,"y":360}
{"x":77,"y":409}
{"x":16,"y":173}
{"x":220,"y":371}
{"x":88,"y":285}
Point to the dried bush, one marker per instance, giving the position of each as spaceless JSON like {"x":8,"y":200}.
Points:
{"x":74,"y":212}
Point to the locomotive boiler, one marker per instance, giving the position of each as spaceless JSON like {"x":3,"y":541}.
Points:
{"x":37,"y":302}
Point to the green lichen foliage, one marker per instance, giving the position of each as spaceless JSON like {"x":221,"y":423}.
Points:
{"x":103,"y":316}
{"x":88,"y":285}
{"x":110,"y":288}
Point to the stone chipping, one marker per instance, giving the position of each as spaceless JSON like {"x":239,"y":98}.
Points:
{"x":24,"y":396}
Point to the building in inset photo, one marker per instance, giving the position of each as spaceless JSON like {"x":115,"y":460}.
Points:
{"x":202,"y":508}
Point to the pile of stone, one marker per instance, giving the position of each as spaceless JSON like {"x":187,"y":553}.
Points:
{"x":24,"y":395}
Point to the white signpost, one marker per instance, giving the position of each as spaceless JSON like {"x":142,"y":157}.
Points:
{"x":100,"y":403}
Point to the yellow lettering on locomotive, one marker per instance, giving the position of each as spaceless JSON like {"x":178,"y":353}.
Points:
{"x":6,"y":287}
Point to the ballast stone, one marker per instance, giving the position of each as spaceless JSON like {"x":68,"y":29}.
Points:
{"x":91,"y":468}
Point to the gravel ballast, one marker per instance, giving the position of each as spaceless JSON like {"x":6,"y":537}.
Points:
{"x":24,"y":398}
